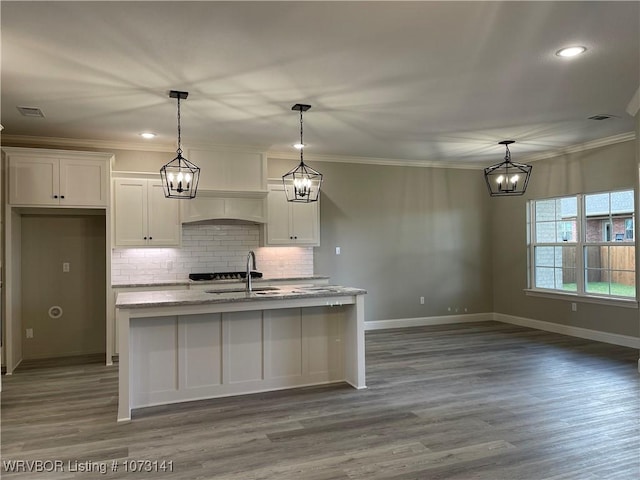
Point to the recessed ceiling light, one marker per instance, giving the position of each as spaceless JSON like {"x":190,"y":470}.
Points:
{"x":571,"y":51}
{"x":147,"y":135}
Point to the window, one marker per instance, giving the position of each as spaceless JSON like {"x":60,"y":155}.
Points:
{"x":583,"y":244}
{"x":606,"y":231}
{"x":628,"y":229}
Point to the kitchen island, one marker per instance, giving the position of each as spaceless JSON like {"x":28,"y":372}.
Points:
{"x":183,"y":345}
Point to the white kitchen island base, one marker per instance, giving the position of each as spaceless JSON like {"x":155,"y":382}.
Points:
{"x":179,"y":353}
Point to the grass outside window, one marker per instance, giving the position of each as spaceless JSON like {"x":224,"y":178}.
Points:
{"x":617,"y":289}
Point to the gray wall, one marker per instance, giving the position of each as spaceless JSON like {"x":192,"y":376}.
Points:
{"x":405,"y":232}
{"x":605,"y":168}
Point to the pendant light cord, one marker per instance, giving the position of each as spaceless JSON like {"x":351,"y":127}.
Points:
{"x":301,"y":141}
{"x":179,"y":151}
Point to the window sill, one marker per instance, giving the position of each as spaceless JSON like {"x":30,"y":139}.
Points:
{"x":573,"y":297}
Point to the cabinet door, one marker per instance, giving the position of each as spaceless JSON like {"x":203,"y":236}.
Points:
{"x":278,"y":218}
{"x":33,"y":181}
{"x":130,"y":212}
{"x":164,"y":217}
{"x":83,"y":182}
{"x":305,"y":223}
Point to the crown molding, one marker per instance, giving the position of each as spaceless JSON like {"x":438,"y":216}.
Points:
{"x":79,"y":143}
{"x":72,"y":143}
{"x":581,"y":147}
{"x":373,"y":160}
{"x":601,"y":142}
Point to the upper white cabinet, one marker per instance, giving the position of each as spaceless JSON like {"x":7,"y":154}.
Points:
{"x":40,"y":177}
{"x":230,"y":170}
{"x":291,"y":223}
{"x":143,"y":217}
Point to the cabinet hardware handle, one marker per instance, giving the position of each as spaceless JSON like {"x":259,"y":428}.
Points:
{"x":145,"y":238}
{"x":150,"y":238}
{"x":296,"y":237}
{"x":55,"y":196}
{"x":61,"y":196}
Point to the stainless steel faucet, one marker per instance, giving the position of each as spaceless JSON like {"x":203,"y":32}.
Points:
{"x":250,"y":255}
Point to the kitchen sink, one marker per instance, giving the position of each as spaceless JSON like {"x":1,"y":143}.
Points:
{"x":264,"y":289}
{"x":242,"y":290}
{"x":322,"y":288}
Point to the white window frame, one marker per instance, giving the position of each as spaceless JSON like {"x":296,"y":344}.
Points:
{"x":580,"y":245}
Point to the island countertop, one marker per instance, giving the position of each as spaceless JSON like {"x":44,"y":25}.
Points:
{"x":166,"y":298}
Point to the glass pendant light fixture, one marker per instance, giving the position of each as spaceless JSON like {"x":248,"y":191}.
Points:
{"x":507,"y":178}
{"x":179,"y":176}
{"x":302,"y":184}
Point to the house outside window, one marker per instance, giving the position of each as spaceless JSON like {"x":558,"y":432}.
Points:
{"x":583,"y":244}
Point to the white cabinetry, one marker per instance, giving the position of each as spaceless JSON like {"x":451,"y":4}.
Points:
{"x":39,"y":177}
{"x":230,"y":170}
{"x":291,"y":223}
{"x":210,"y":205}
{"x":113,"y":337}
{"x":143,"y":216}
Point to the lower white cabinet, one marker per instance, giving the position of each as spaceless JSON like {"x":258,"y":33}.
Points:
{"x":291,"y":223}
{"x":143,"y":217}
{"x":112,"y":307}
{"x":187,"y":357}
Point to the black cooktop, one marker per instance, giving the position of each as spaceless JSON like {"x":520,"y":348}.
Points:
{"x":223,"y":275}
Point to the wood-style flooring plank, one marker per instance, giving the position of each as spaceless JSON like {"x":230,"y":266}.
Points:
{"x":484,"y":401}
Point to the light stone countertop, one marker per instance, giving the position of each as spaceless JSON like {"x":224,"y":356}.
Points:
{"x":218,"y":282}
{"x":166,"y":298}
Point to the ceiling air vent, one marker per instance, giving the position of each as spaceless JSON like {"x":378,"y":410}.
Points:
{"x":31,"y":111}
{"x":601,"y":116}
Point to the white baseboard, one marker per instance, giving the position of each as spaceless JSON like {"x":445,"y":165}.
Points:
{"x":426,"y":321}
{"x":614,"y":338}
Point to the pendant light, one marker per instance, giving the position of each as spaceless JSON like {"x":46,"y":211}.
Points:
{"x":302,"y":184}
{"x":179,"y":176}
{"x":507,"y":178}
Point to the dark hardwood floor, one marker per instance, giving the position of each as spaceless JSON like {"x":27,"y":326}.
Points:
{"x":468,"y":401}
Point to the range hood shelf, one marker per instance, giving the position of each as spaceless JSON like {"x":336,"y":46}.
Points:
{"x":216,"y":205}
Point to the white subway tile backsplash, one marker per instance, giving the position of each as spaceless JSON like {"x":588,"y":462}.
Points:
{"x":209,"y":248}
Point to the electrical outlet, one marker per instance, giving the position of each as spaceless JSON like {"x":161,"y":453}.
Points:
{"x":337,"y":250}
{"x":421,"y":300}
{"x":574,"y":307}
{"x":66,"y":266}
{"x":29,"y":332}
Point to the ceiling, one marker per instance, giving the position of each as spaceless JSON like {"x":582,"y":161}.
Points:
{"x":408,"y":81}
